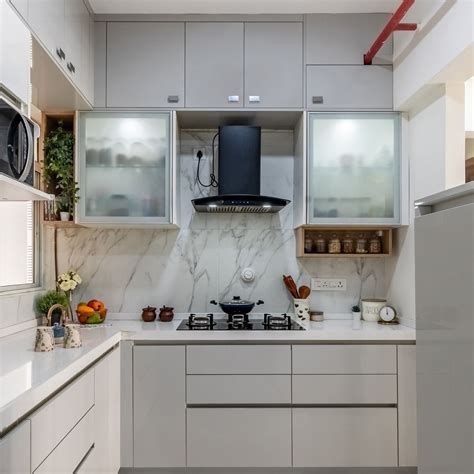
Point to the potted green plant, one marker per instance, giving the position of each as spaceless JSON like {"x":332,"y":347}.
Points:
{"x":356,"y":313}
{"x":49,"y":299}
{"x":59,"y":169}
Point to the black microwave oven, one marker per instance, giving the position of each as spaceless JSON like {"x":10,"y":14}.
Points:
{"x":16,"y":144}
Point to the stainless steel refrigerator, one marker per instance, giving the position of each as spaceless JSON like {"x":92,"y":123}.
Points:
{"x":444,"y":266}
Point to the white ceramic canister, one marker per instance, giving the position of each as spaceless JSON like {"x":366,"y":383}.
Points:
{"x":72,"y":336}
{"x":44,"y":339}
{"x":301,"y":309}
{"x":371,"y":308}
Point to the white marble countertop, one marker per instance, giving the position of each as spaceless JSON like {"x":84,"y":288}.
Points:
{"x":27,"y":377}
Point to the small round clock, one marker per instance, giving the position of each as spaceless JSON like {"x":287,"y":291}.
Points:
{"x":388,"y":315}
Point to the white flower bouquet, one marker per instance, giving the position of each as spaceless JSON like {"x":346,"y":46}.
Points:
{"x":68,"y":282}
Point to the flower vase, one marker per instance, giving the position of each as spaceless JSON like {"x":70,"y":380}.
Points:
{"x":69,"y":305}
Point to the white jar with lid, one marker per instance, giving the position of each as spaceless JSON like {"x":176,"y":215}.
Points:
{"x":371,"y":308}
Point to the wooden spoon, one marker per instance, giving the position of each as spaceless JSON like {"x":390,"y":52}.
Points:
{"x":304,"y":292}
{"x":291,"y":286}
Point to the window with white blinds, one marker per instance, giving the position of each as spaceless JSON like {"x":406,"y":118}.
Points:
{"x":17,"y":245}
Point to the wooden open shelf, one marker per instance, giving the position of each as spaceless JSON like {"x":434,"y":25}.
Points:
{"x":311,"y":231}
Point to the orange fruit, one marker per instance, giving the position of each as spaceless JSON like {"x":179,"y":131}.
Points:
{"x":83,"y":309}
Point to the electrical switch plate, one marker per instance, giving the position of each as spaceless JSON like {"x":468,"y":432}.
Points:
{"x":328,"y":284}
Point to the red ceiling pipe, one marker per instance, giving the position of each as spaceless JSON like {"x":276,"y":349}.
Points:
{"x":389,"y":28}
{"x":406,"y":27}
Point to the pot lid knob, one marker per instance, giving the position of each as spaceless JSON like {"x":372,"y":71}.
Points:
{"x":235,"y":298}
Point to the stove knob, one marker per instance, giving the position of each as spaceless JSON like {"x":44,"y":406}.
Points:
{"x":248,"y":275}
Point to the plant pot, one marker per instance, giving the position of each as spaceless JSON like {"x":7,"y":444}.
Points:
{"x":356,"y":315}
{"x":64,"y":216}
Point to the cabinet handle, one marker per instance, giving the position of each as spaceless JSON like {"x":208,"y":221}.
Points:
{"x":233,"y":98}
{"x":83,"y":460}
{"x":318,"y":99}
{"x":71,"y":67}
{"x":254,"y":98}
{"x":173,"y":99}
{"x":60,"y":53}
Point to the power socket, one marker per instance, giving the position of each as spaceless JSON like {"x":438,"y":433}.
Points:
{"x":328,"y":284}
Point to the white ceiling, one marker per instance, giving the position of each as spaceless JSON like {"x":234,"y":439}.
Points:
{"x":244,"y":6}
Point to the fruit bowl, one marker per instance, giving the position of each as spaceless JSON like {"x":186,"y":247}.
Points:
{"x":93,"y":312}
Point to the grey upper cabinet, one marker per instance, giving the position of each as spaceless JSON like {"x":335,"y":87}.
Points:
{"x":145,"y":64}
{"x":349,"y":87}
{"x":274,"y":65}
{"x":214,"y":64}
{"x":344,"y":38}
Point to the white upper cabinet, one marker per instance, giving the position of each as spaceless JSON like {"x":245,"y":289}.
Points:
{"x":354,"y":168}
{"x":145,"y":64}
{"x":214,"y":69}
{"x":46,"y":19}
{"x":63,"y":27}
{"x":21,"y":7}
{"x":15,"y":53}
{"x":274,"y":65}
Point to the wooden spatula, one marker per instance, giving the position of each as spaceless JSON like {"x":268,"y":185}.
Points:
{"x":304,"y":292}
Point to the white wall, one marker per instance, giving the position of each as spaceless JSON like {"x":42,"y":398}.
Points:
{"x":435,"y":164}
{"x":445,"y":43}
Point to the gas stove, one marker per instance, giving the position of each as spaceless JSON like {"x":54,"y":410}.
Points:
{"x":239,"y":322}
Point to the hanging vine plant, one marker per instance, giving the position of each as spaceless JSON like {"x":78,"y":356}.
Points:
{"x":59,"y":167}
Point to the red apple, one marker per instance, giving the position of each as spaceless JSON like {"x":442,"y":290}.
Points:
{"x":96,"y":305}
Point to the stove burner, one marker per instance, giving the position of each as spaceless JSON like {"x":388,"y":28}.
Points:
{"x":276,"y":322}
{"x":239,"y":322}
{"x":201,"y":322}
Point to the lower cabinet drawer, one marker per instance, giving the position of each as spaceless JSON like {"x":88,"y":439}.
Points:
{"x":239,"y":437}
{"x":238,"y":389}
{"x":72,"y":453}
{"x":345,"y":389}
{"x":51,"y":423}
{"x":345,"y":437}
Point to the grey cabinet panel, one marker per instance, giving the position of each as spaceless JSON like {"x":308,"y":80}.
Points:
{"x":159,"y":406}
{"x":273,"y":65}
{"x":344,"y":437}
{"x":100,"y":63}
{"x":344,"y":38}
{"x":214,"y":64}
{"x":145,"y":64}
{"x":22,"y":7}
{"x":15,"y":450}
{"x":239,"y":437}
{"x":349,"y":87}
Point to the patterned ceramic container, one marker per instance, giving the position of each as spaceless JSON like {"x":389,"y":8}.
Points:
{"x":72,"y":336}
{"x":44,"y":339}
{"x":301,"y":309}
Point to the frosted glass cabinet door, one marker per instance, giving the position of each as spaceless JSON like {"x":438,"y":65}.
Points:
{"x":354,"y":168}
{"x":124,"y":163}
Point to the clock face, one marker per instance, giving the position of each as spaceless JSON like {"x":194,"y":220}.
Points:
{"x":387,"y":314}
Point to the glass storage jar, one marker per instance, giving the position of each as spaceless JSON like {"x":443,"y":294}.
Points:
{"x":361,"y":244}
{"x":375,"y":245}
{"x":334,"y":245}
{"x":320,"y":244}
{"x":347,"y":244}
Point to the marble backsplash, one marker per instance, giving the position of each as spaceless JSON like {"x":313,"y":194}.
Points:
{"x":186,"y":268}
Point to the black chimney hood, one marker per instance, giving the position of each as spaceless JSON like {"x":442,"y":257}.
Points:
{"x":239,"y":175}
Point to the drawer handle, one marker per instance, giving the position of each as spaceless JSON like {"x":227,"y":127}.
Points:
{"x":84,"y":459}
{"x":233,"y":98}
{"x":254,"y":98}
{"x":318,"y":99}
{"x":173,"y":99}
{"x":71,"y":67}
{"x":60,"y":53}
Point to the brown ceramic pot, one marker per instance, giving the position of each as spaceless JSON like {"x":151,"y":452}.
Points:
{"x":149,"y":314}
{"x":166,"y":314}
